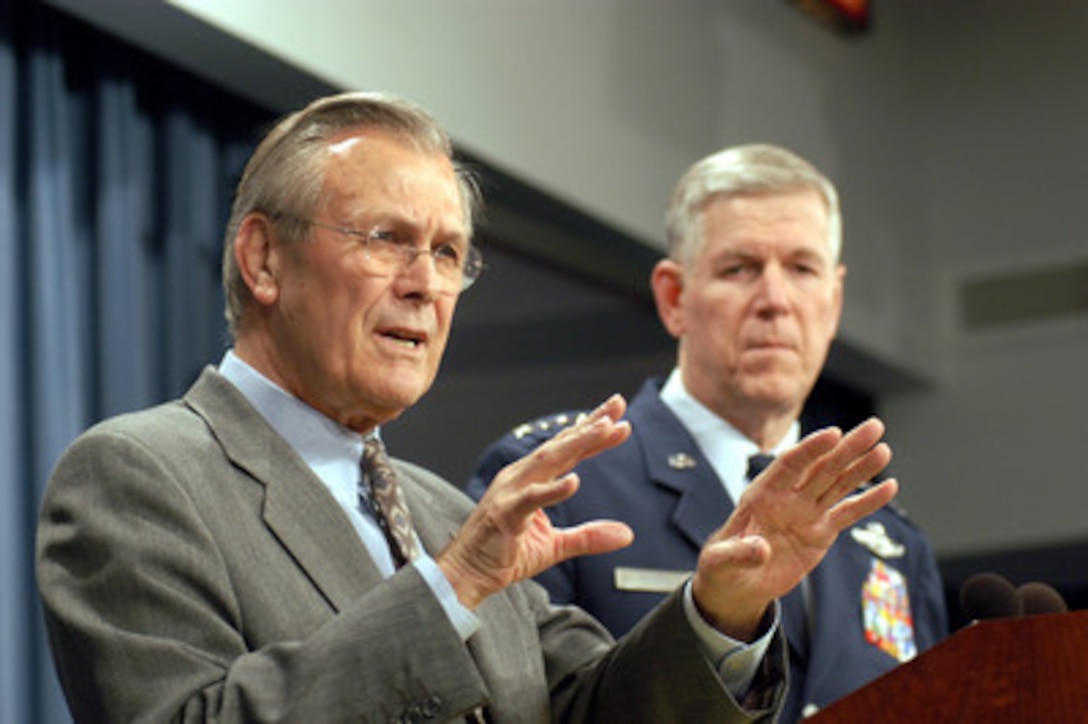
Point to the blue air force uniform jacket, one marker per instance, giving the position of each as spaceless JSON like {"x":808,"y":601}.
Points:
{"x":875,"y":600}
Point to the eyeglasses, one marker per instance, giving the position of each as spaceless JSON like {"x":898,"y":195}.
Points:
{"x":389,"y":253}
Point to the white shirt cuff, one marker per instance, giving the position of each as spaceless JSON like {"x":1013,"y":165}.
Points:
{"x":464,"y":620}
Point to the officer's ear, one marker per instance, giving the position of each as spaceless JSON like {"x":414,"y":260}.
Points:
{"x":667,"y":284}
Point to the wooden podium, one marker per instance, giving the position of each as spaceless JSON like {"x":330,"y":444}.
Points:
{"x":1030,"y":669}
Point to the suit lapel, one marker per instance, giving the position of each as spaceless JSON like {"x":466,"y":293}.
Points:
{"x":298,"y":509}
{"x":434,"y":527}
{"x":675,"y":462}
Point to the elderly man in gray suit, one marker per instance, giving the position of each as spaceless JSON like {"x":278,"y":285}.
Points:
{"x":249,"y":553}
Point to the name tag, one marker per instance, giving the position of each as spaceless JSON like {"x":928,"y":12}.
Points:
{"x":648,"y":580}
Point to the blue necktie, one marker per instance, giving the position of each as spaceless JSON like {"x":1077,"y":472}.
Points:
{"x":758,"y":463}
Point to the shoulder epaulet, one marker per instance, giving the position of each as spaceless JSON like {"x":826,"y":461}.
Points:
{"x":892,"y":507}
{"x":547,"y":426}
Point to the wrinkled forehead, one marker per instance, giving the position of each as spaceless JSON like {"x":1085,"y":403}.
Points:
{"x":372,"y":170}
{"x":797,"y":218}
{"x":370,"y":177}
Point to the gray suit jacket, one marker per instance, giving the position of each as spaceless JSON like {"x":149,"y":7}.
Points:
{"x":192,"y":568}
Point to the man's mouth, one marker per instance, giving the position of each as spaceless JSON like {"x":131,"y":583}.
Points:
{"x":408,"y":338}
{"x":769,"y":344}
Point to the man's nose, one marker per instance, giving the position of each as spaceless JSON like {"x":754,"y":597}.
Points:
{"x":418,"y":271}
{"x":773,"y":287}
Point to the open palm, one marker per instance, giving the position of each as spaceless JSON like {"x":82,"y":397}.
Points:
{"x":786,"y":521}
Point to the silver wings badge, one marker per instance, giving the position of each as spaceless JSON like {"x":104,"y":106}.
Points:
{"x":874,"y":537}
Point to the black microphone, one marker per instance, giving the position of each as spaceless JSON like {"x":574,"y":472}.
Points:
{"x":1036,"y":597}
{"x":988,"y":595}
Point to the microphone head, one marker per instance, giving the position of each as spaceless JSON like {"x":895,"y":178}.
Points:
{"x":1036,"y":597}
{"x":988,"y":595}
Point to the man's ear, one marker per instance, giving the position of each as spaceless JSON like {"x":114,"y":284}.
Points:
{"x":256,"y":251}
{"x":839,"y":291}
{"x":667,"y":283}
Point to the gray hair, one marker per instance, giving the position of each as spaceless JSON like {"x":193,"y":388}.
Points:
{"x":750,"y":169}
{"x":285,"y":176}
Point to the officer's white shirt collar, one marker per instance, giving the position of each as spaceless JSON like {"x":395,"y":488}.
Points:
{"x":725,"y":447}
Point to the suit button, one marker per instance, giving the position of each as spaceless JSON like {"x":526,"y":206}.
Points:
{"x":431,"y":707}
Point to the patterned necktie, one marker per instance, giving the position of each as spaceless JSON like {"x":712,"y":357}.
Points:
{"x":387,"y":500}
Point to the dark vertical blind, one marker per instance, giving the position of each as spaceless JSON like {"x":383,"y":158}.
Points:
{"x":115,"y":178}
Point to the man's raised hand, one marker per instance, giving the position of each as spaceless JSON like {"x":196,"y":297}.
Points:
{"x":509,"y":537}
{"x":786,"y":521}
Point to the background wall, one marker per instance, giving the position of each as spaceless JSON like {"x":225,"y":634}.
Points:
{"x":953,"y":129}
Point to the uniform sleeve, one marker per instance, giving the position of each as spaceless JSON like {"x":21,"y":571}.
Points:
{"x":513,"y":446}
{"x":494,"y":458}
